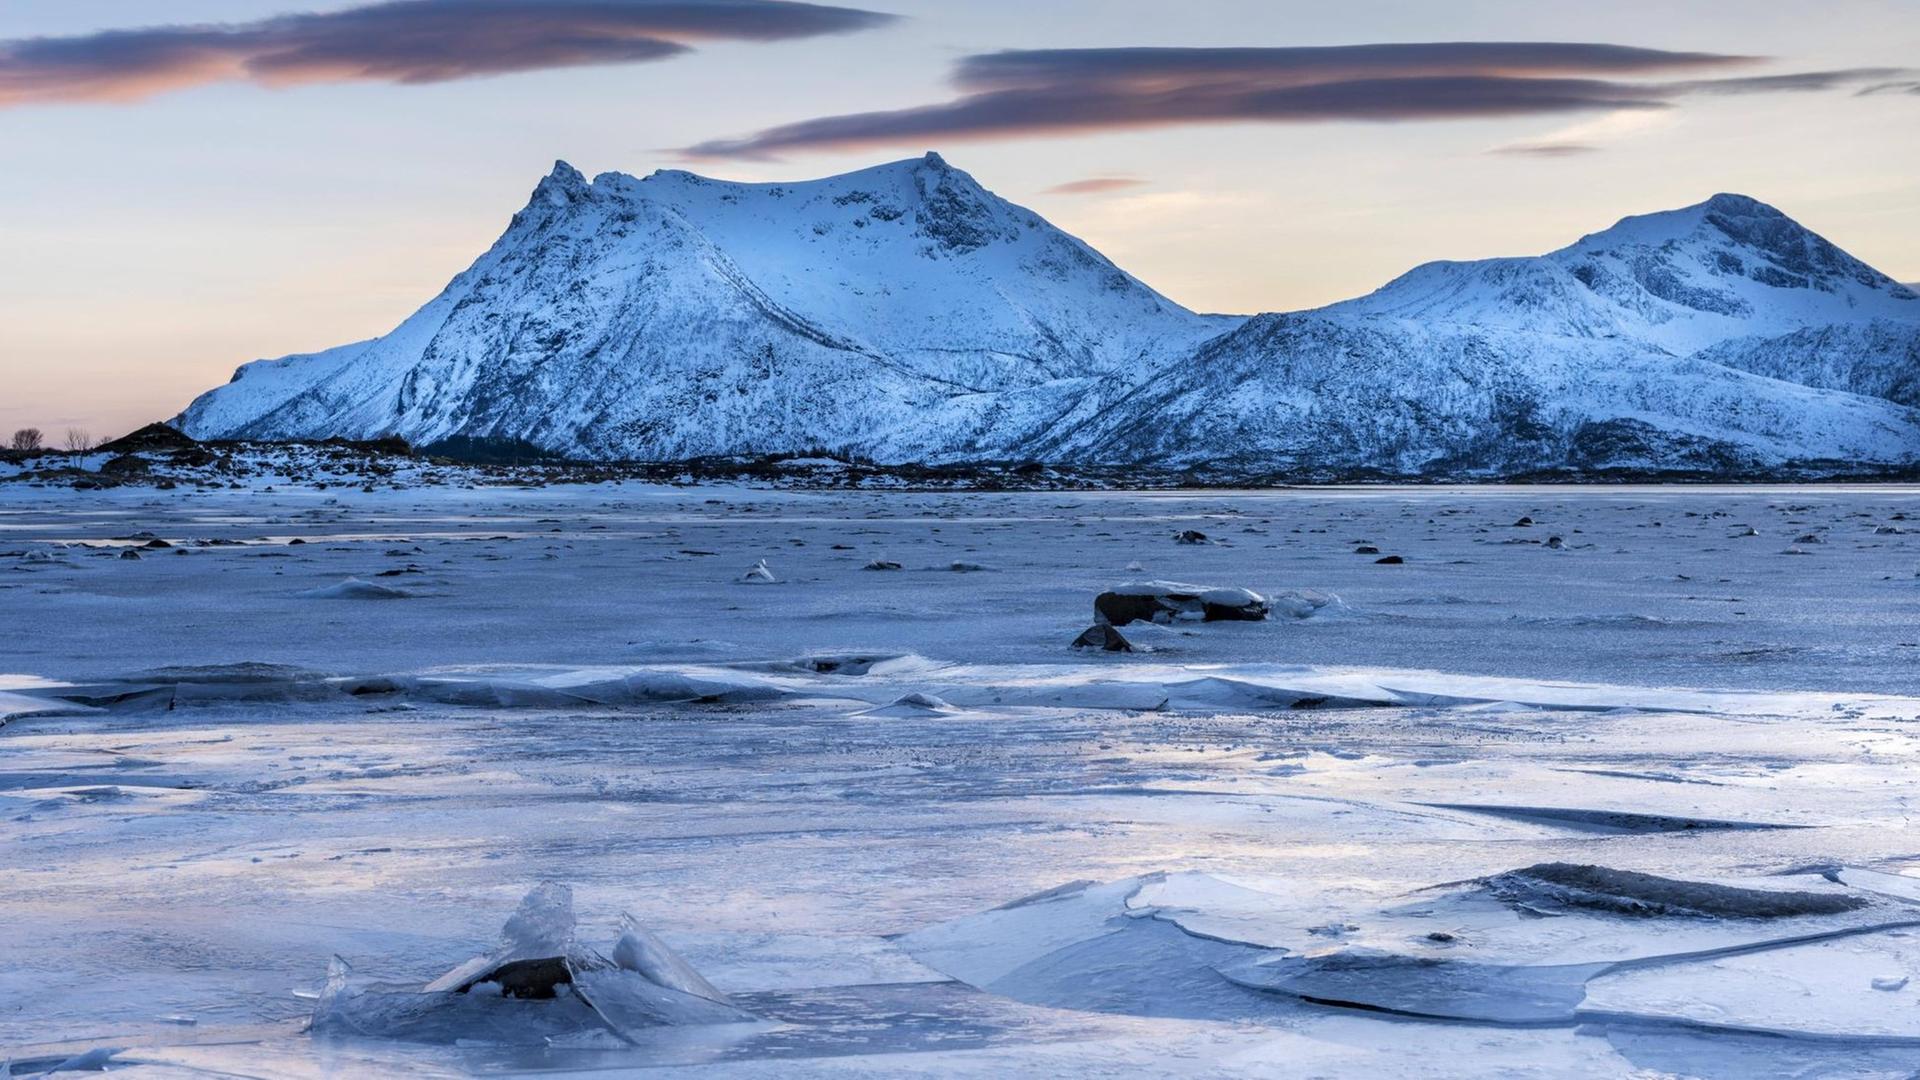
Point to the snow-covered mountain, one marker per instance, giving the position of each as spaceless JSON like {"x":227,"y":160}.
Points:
{"x":1723,"y":337}
{"x":1679,"y":281}
{"x":1321,"y":394}
{"x":905,"y":313}
{"x":901,"y":311}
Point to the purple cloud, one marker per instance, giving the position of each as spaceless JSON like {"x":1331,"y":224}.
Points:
{"x":402,"y":41}
{"x":1145,"y":68}
{"x":1065,"y":91}
{"x":1095,"y":185}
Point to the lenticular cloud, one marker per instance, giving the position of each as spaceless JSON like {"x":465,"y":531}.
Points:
{"x":405,"y":41}
{"x":1063,"y":91}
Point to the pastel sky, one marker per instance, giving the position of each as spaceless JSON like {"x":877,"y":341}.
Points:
{"x":191,"y":184}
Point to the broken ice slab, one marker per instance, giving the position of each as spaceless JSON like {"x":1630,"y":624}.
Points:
{"x":1430,"y":987}
{"x":1084,"y":946}
{"x":1518,"y":947}
{"x":19,"y":706}
{"x":530,"y":958}
{"x":537,"y":984}
{"x":1308,"y":604}
{"x":1846,"y":987}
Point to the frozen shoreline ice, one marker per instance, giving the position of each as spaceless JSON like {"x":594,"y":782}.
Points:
{"x":796,"y":785}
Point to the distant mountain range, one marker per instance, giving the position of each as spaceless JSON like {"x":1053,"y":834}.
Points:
{"x":904,"y":313}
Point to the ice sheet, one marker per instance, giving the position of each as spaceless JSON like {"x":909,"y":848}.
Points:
{"x":810,"y":787}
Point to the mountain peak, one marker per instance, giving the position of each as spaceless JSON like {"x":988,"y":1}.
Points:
{"x":1733,"y":236}
{"x":561,"y":186}
{"x":1665,"y":226}
{"x":1728,"y":202}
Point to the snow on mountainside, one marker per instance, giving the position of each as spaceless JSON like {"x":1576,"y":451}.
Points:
{"x":1879,"y":357}
{"x":1722,"y":338}
{"x":905,"y":313}
{"x":1680,"y":281}
{"x":1320,"y":393}
{"x":900,"y":311}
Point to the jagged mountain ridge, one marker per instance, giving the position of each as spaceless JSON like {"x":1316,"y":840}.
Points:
{"x":905,"y":313}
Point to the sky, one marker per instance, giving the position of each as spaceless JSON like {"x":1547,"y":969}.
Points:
{"x":192,"y":184}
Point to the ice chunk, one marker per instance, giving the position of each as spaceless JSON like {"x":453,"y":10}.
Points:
{"x":355,"y":589}
{"x":916,"y":704}
{"x":534,"y":944}
{"x":543,"y":921}
{"x":1104,"y":637}
{"x":639,"y":951}
{"x":353,"y":1006}
{"x":1308,"y":604}
{"x":758,"y":574}
{"x":538,"y":982}
{"x":628,"y":1001}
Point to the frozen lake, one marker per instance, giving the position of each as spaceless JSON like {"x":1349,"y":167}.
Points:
{"x":1619,"y":790}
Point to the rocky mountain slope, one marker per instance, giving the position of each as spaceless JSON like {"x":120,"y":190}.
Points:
{"x":905,"y":313}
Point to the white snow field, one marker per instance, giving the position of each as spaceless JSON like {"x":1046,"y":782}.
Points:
{"x":1593,"y":782}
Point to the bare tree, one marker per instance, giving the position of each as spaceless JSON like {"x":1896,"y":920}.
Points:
{"x":79,"y":440}
{"x":27,"y":438}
